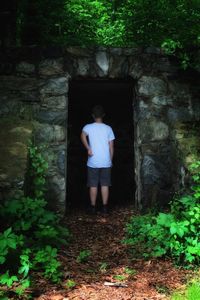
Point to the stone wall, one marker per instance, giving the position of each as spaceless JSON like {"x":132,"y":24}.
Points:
{"x":34,"y":89}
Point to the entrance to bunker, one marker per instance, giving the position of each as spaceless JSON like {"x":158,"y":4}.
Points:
{"x":116,"y":97}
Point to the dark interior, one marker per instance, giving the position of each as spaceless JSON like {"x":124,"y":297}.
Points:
{"x":116,"y":96}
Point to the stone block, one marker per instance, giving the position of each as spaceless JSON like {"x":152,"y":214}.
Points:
{"x":46,"y":133}
{"x":153,"y":130}
{"x":151,"y":86}
{"x":181,"y":114}
{"x":25,"y":68}
{"x":156,"y":169}
{"x":102,"y":61}
{"x":162,"y":100}
{"x":135,"y":68}
{"x":180,"y":92}
{"x":61,"y":161}
{"x":116,"y":51}
{"x":50,"y":67}
{"x":56,"y":192}
{"x":118,"y":67}
{"x":153,"y":50}
{"x":55,"y":86}
{"x":79,"y":52}
{"x":14,"y":139}
{"x":14,"y":83}
{"x":52,"y":117}
{"x":54,"y":102}
{"x":83,"y":67}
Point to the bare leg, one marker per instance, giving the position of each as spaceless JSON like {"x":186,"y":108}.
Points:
{"x":93,"y":195}
{"x":105,"y":194}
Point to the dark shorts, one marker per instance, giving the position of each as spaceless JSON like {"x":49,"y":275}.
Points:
{"x":98,"y":176}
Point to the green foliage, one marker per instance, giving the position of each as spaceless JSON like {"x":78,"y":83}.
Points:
{"x":70,"y":284}
{"x":172,"y":25}
{"x":7,"y":279}
{"x":37,"y":171}
{"x":46,"y":259}
{"x":129,"y":271}
{"x":192,"y":292}
{"x":31,"y":234}
{"x":176,"y":234}
{"x":103,"y":267}
{"x":83,"y":256}
{"x":119,"y":277}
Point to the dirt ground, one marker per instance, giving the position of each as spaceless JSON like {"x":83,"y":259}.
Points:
{"x":109,"y":263}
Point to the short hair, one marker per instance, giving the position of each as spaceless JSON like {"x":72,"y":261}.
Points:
{"x":98,"y":111}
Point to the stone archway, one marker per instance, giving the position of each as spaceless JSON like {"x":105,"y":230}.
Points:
{"x":35,"y":87}
{"x":153,"y":159}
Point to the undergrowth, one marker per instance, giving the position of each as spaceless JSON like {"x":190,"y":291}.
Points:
{"x":175,"y":234}
{"x":30,"y":235}
{"x":191,"y":292}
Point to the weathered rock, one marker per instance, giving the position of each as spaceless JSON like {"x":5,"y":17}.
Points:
{"x":181,"y":92}
{"x":25,"y":68}
{"x":116,"y":51}
{"x":52,"y":117}
{"x":54,"y":102}
{"x":50,"y":133}
{"x":131,"y":51}
{"x":135,"y":68}
{"x":14,"y":139}
{"x":12,"y":83}
{"x":102,"y":62}
{"x":51,"y":67}
{"x":151,"y":86}
{"x":57,"y":192}
{"x":55,"y":86}
{"x":83,"y":67}
{"x":79,"y":52}
{"x":61,"y":162}
{"x":118,"y":67}
{"x":153,"y":130}
{"x":153,"y":50}
{"x":156,"y":169}
{"x":180,"y":114}
{"x":162,"y":100}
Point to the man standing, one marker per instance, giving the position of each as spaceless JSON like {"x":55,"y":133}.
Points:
{"x":98,"y":139}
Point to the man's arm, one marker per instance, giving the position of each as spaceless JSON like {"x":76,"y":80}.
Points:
{"x":85,"y":143}
{"x":111,"y":148}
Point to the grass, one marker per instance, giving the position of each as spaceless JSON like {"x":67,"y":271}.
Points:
{"x":192,"y":292}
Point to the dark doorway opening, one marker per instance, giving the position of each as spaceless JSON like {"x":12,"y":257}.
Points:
{"x":116,"y":96}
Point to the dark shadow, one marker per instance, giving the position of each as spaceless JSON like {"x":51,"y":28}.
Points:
{"x":116,"y":96}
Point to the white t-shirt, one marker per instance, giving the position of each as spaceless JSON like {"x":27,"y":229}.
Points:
{"x":99,"y":135}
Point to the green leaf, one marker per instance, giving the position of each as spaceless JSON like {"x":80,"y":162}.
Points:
{"x":165,"y":219}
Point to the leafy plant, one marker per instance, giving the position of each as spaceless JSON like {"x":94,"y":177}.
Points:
{"x":103,"y":267}
{"x":83,"y":256}
{"x":175,"y":233}
{"x":37,"y":171}
{"x":46,"y":260}
{"x":119,"y":277}
{"x":129,"y":271}
{"x":7,"y":279}
{"x":31,"y":234}
{"x":70,"y":284}
{"x":192,"y":292}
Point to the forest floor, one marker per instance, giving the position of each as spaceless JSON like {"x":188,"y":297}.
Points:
{"x":110,"y":262}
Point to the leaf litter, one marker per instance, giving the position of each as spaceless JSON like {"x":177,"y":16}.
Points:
{"x":108,"y":263}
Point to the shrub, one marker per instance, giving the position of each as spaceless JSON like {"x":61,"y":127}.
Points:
{"x":83,"y":256}
{"x":176,"y":233}
{"x":31,"y":234}
{"x":192,"y":292}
